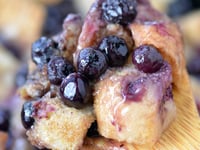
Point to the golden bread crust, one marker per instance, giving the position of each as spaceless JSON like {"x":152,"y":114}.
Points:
{"x":124,"y":120}
{"x":164,"y":35}
{"x":63,"y":128}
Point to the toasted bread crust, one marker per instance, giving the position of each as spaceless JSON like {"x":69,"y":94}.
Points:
{"x":161,"y":32}
{"x":62,"y":127}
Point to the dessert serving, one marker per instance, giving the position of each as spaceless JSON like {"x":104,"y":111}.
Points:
{"x":108,"y":82}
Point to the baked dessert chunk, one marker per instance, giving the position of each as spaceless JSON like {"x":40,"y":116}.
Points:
{"x":154,"y":28}
{"x":42,"y":86}
{"x":127,"y":60}
{"x":55,"y":126}
{"x":63,"y":45}
{"x":132,"y":110}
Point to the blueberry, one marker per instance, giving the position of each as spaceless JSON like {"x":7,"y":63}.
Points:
{"x":147,"y":59}
{"x":75,"y":91}
{"x":21,"y":75}
{"x":92,"y":63}
{"x":193,"y":66}
{"x":27,"y":115}
{"x":115,"y":49}
{"x":4,"y":120}
{"x":119,"y":11}
{"x":93,"y":130}
{"x":134,"y":90}
{"x":179,"y":8}
{"x":43,"y":49}
{"x":55,"y":15}
{"x":58,"y":69}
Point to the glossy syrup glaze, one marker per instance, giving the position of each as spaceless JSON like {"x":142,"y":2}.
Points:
{"x":134,"y":99}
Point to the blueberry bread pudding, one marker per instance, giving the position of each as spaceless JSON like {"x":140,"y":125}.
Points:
{"x":106,"y":82}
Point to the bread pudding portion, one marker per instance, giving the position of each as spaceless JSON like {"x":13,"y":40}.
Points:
{"x":137,"y":107}
{"x":56,"y":126}
{"x":158,"y":31}
{"x":125,"y":57}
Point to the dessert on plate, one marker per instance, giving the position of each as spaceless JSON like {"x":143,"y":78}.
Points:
{"x":106,"y":82}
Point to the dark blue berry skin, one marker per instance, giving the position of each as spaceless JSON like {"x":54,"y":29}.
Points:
{"x":75,"y":91}
{"x":92,"y":63}
{"x":21,"y":75}
{"x":4,"y":120}
{"x":43,"y":50}
{"x":119,"y":11}
{"x":58,"y":69}
{"x":179,"y":8}
{"x":93,"y":130}
{"x":193,"y":66}
{"x":27,"y":115}
{"x":55,"y":15}
{"x":115,"y":49}
{"x":147,"y":59}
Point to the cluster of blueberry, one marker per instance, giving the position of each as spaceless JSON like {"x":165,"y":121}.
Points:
{"x":112,"y":51}
{"x":74,"y":86}
{"x":91,"y":63}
